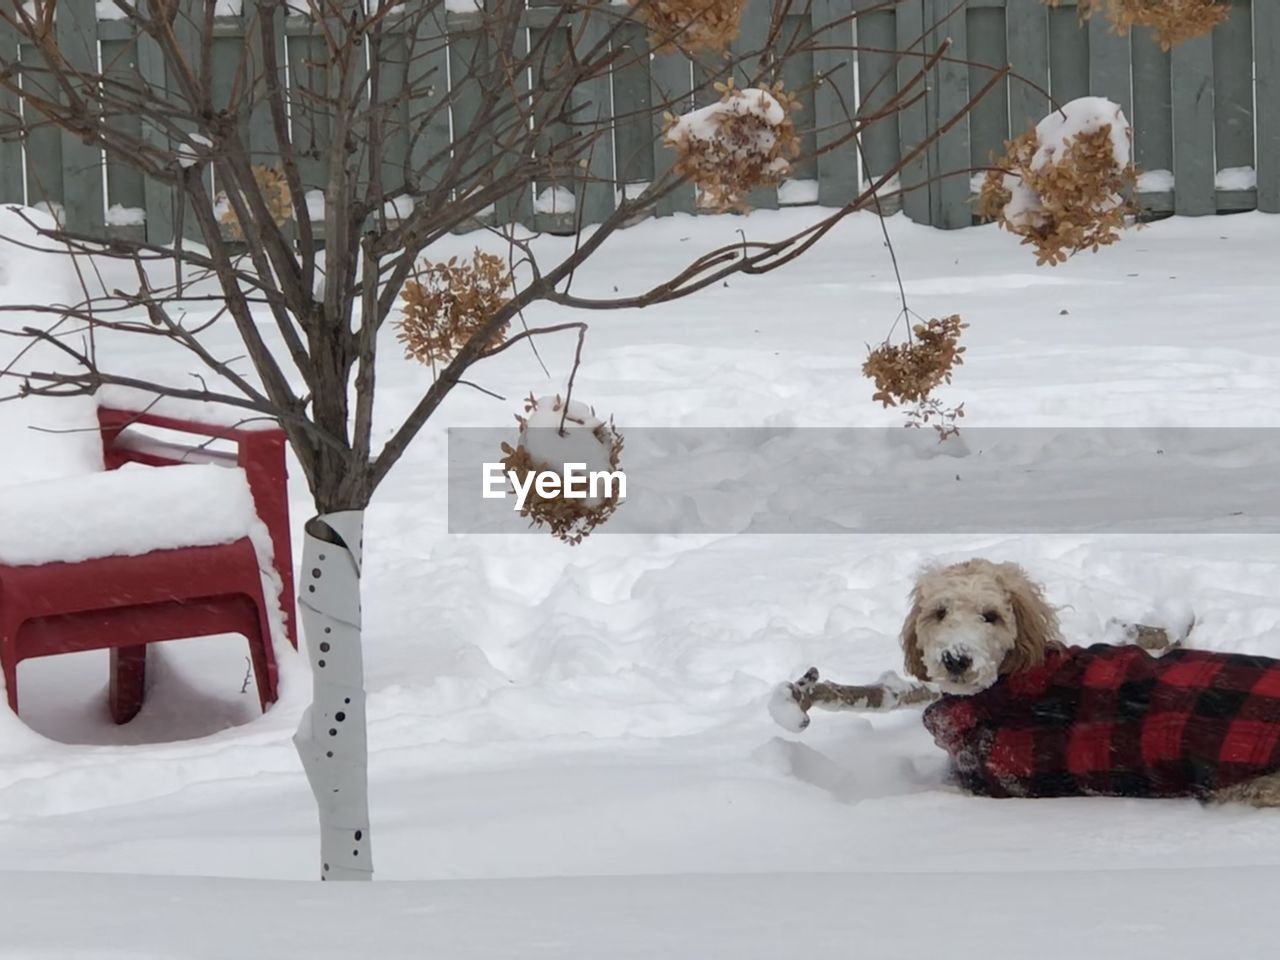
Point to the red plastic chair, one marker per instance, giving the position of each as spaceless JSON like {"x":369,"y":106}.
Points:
{"x":123,"y":603}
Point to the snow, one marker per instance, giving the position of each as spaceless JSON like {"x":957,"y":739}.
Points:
{"x":189,"y":154}
{"x":125,"y":512}
{"x":118,"y":397}
{"x":554,"y":437}
{"x":120,"y":216}
{"x":397,"y":208}
{"x":555,"y":200}
{"x":704,"y":122}
{"x":797,"y":192}
{"x":571,"y":750}
{"x":108,"y":10}
{"x":1058,"y":916}
{"x":463,"y":6}
{"x":1076,"y":118}
{"x":1155,"y":181}
{"x":315,"y":204}
{"x":1236,"y":178}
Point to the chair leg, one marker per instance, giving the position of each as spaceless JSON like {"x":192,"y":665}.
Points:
{"x":265,"y":671}
{"x":128,"y":681}
{"x":11,"y":684}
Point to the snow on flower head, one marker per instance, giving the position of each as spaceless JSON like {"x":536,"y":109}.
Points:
{"x":555,"y":433}
{"x":741,"y":143}
{"x":1062,"y":186}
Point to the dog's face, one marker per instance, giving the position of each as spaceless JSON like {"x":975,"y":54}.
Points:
{"x":972,"y":622}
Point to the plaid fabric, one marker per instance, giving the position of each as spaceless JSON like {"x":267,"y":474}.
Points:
{"x":1116,"y":721}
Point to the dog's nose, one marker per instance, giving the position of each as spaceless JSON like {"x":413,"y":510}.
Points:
{"x":956,"y":663}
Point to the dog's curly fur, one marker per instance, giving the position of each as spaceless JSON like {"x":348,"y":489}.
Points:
{"x":992,"y":613}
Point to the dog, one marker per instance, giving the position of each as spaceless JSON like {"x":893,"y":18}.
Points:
{"x":1022,"y":714}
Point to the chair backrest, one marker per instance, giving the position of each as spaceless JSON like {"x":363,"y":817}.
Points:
{"x":260,"y":453}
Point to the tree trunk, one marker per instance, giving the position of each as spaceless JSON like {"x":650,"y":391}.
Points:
{"x":331,"y":738}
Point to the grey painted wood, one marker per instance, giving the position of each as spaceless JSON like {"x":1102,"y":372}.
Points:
{"x":949,"y":157}
{"x":877,"y":83}
{"x":835,"y":102}
{"x":1109,"y":64}
{"x":126,"y":185}
{"x":1068,"y":55}
{"x":913,"y":119}
{"x":517,"y":206}
{"x":76,"y":28}
{"x":1027,"y":33}
{"x":632,"y":96}
{"x":1266,"y":55}
{"x":593,"y":118}
{"x":468,"y":58}
{"x":755,"y":69}
{"x":158,"y":197}
{"x":1233,"y":88}
{"x":795,"y":47}
{"x":671,"y":92}
{"x":428,"y":111}
{"x":12,"y":188}
{"x":1152,"y":103}
{"x":392,"y":99}
{"x":989,"y":120}
{"x":1193,"y":166}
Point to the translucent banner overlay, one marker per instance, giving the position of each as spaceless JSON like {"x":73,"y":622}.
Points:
{"x":842,"y":481}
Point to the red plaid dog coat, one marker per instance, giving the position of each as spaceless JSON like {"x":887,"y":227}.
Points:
{"x":1116,"y":721}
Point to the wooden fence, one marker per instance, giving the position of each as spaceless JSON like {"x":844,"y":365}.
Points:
{"x":1206,"y":116}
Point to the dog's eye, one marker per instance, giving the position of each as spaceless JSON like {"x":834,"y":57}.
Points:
{"x":990,"y":616}
{"x":940,"y":613}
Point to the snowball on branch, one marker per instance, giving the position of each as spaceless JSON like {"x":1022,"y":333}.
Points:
{"x":1062,"y":186}
{"x":554,"y":435}
{"x":741,"y":143}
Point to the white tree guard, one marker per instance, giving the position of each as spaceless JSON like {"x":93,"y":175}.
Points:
{"x":332,"y":739}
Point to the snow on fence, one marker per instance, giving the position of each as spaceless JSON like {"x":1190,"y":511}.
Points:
{"x":1221,"y":94}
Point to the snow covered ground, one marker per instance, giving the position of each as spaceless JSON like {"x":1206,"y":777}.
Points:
{"x":544,"y":716}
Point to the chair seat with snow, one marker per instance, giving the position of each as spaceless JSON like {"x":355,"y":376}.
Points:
{"x":173,"y":540}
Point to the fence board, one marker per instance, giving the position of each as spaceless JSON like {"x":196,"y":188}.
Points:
{"x":835,"y":103}
{"x":157,"y":197}
{"x":76,"y":28}
{"x":913,"y":119}
{"x":1152,"y":102}
{"x":1193,"y":166}
{"x":753,"y":39}
{"x":632,"y":99}
{"x":1266,"y":57}
{"x":1068,"y":55}
{"x":949,"y":156}
{"x":989,"y":120}
{"x":1027,"y":32}
{"x":1233,"y":88}
{"x":594,"y":109}
{"x":797,"y":78}
{"x":671,"y":76}
{"x":1109,"y":64}
{"x":878,"y":82}
{"x":126,"y":186}
{"x":428,"y":110}
{"x":12,"y":188}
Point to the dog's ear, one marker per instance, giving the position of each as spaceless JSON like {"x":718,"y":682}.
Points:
{"x":1037,"y":620}
{"x":912,"y":659}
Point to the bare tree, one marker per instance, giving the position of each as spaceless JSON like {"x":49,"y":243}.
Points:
{"x":312,"y":296}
